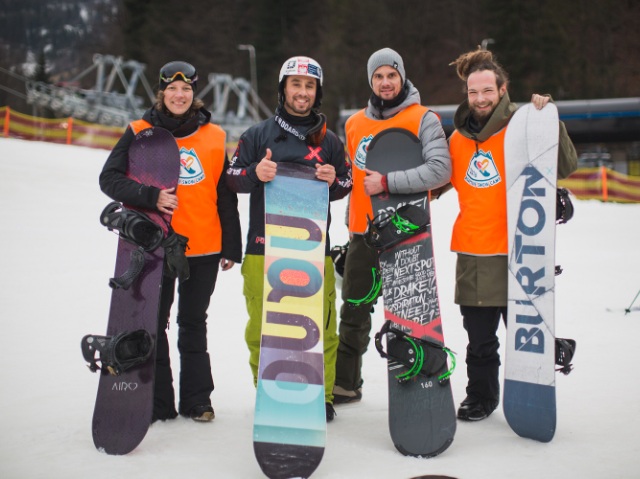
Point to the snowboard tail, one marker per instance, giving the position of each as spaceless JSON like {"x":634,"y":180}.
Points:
{"x":283,"y":461}
{"x":124,"y":402}
{"x":531,"y":413}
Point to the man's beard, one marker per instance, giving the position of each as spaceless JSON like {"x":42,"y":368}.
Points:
{"x":481,"y":118}
{"x":293,"y":109}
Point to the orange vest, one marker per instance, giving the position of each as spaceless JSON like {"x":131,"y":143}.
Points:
{"x":202,"y":157}
{"x":360,"y":130}
{"x":478,"y":175}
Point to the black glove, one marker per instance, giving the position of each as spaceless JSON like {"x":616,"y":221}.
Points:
{"x":174,"y":247}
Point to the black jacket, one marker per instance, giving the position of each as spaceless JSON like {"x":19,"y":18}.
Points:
{"x":115,"y":183}
{"x":285,"y":147}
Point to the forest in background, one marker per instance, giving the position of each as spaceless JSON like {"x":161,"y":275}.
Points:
{"x":582,"y":49}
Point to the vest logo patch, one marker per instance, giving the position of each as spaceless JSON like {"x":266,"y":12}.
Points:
{"x":191,"y":171}
{"x":482,"y":171}
{"x":361,"y":152}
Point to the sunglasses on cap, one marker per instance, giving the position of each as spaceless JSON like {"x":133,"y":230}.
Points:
{"x":173,"y":71}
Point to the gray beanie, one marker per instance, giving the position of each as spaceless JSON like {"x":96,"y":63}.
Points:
{"x":386,"y":56}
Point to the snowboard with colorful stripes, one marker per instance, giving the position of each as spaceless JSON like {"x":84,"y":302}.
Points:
{"x":290,"y":420}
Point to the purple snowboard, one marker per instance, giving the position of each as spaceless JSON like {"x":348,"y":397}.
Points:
{"x":124,"y":403}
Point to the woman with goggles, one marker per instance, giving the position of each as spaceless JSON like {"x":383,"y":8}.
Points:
{"x":205,"y":211}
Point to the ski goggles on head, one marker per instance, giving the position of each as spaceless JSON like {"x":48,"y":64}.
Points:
{"x":174,"y":71}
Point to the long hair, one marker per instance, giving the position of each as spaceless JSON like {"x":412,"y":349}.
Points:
{"x":479,"y":60}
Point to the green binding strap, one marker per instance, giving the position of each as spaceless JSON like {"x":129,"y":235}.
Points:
{"x":373,"y":292}
{"x":452,"y":357}
{"x":417,"y":366}
{"x":402,"y":224}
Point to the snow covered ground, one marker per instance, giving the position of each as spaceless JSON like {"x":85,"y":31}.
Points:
{"x":56,"y":258}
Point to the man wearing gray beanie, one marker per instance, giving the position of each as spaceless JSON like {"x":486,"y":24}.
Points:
{"x":386,"y":56}
{"x":394,"y":103}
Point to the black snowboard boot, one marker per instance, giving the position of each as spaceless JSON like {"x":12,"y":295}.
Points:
{"x":346,"y":396}
{"x":331,"y":413}
{"x":200,"y":413}
{"x":472,"y":409}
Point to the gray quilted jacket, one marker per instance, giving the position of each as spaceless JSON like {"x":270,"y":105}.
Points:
{"x":436,"y":170}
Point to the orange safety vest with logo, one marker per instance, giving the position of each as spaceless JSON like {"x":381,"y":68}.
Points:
{"x":478,"y":175}
{"x":202,"y":157}
{"x":360,"y":130}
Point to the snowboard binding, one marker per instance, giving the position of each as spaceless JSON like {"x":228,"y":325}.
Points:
{"x":565,"y":349}
{"x":564,"y":206}
{"x":417,"y":355}
{"x":564,"y":212}
{"x":338,"y":256}
{"x":118,"y":353}
{"x":137,"y":228}
{"x":132,"y":225}
{"x":388,"y":229}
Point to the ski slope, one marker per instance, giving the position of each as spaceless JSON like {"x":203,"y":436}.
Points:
{"x":56,"y":259}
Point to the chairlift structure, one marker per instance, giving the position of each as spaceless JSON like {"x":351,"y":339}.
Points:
{"x":112,"y":99}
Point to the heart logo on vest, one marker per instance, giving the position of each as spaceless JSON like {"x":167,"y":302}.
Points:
{"x":190,"y":167}
{"x":482,"y":171}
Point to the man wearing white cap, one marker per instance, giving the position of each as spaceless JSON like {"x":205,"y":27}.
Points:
{"x":394,"y":103}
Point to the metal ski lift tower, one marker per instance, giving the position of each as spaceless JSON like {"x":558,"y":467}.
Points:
{"x":112,"y":99}
{"x":102,"y":103}
{"x":246,"y":113}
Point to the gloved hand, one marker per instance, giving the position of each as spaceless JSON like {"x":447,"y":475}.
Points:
{"x":175,"y":246}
